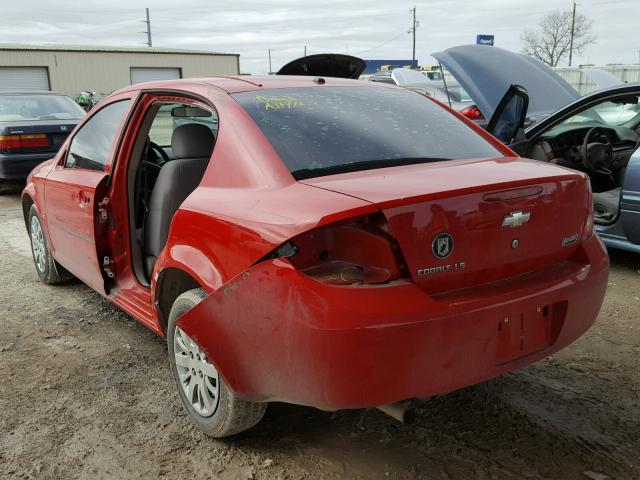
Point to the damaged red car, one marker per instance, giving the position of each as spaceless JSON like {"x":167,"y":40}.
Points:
{"x":319,"y":241}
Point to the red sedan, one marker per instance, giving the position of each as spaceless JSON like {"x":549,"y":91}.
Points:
{"x":318,"y":241}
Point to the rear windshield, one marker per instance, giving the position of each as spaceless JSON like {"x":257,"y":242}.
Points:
{"x":38,"y":107}
{"x":323,"y":130}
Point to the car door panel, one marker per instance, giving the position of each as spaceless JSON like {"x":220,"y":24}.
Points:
{"x":630,"y":202}
{"x":70,"y":208}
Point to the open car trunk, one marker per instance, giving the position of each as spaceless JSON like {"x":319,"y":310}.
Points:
{"x":325,"y":65}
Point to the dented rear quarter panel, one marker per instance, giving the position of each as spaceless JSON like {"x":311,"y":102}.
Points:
{"x":219,"y":232}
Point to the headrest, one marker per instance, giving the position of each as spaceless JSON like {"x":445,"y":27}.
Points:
{"x":192,"y":140}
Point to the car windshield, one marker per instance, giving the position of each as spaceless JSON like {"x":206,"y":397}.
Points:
{"x":38,"y":107}
{"x":323,"y":130}
{"x":616,"y":112}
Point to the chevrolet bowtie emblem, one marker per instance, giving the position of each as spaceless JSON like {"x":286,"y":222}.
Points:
{"x":516,"y":219}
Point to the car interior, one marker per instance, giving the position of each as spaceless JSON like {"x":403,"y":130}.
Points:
{"x":599,"y":141}
{"x":169,"y":159}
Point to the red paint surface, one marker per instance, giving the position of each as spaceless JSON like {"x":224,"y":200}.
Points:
{"x":274,"y":332}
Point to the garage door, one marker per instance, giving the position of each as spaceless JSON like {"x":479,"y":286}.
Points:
{"x":24,"y":78}
{"x":146,"y":74}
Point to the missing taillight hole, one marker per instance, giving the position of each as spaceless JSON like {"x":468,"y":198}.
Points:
{"x":357,"y":252}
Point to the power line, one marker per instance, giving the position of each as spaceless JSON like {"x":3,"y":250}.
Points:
{"x":382,"y":44}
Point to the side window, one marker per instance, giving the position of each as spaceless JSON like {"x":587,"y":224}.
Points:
{"x":91,"y":145}
{"x":173,"y":115}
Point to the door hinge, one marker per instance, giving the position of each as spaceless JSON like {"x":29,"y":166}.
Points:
{"x":109,"y":267}
{"x":104,"y":212}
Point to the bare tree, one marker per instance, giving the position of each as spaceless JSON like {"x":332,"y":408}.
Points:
{"x":552,"y":42}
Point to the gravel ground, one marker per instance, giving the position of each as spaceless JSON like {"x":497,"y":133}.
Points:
{"x":86,"y":392}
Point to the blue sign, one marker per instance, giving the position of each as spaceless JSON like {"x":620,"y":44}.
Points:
{"x":484,"y":39}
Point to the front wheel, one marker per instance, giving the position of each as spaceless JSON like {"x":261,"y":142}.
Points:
{"x":47,"y":268}
{"x":212,"y":406}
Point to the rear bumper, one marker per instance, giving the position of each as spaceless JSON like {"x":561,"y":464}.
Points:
{"x":17,"y":166}
{"x":277,"y":335}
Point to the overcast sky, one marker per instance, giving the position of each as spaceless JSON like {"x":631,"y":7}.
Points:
{"x":370,"y":29}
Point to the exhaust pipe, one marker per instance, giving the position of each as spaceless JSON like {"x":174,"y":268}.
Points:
{"x":400,"y":411}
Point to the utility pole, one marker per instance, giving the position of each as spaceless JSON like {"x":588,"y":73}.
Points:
{"x":573,"y":25}
{"x":305,"y":50}
{"x":413,"y":30}
{"x":270,"y":62}
{"x":148,"y":32}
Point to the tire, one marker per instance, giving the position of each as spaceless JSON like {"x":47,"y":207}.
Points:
{"x":227,"y":414}
{"x":47,"y":268}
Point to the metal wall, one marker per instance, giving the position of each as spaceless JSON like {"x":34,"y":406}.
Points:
{"x":71,"y":71}
{"x":582,"y":83}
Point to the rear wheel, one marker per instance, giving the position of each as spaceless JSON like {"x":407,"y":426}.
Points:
{"x":212,"y":406}
{"x":47,"y":268}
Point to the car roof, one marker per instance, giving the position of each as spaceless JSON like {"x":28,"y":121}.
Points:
{"x":243,"y":83}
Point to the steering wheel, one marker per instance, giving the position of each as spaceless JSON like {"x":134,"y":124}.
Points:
{"x":159,"y":150}
{"x":597,"y":156}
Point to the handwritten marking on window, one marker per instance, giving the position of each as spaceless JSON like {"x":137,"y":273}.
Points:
{"x":279,"y":103}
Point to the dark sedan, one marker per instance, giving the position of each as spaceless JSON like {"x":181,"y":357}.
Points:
{"x":33,"y":125}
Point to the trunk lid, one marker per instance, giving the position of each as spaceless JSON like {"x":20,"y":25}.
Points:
{"x":464,"y":223}
{"x":325,"y":65}
{"x":56,"y":132}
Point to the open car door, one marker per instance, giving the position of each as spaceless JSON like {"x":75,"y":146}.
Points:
{"x":77,"y":205}
{"x":507,"y":123}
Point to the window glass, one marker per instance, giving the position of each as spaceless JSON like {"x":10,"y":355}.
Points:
{"x":614,"y":113}
{"x":165,"y":123}
{"x":456,"y":93}
{"x":507,"y":123}
{"x":324,"y":129}
{"x":91,"y":146}
{"x":433,"y":75}
{"x":38,"y":107}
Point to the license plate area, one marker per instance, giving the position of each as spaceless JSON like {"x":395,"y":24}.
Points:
{"x":529,"y":331}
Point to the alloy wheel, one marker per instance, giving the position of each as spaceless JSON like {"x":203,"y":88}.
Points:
{"x":199,"y":379}
{"x":37,"y":244}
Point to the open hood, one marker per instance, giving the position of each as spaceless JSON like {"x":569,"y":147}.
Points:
{"x":487,"y":73}
{"x":325,"y":65}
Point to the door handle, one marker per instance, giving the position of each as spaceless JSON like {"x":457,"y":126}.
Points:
{"x":83,"y":199}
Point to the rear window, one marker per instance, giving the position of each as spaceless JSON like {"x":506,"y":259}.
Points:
{"x":38,"y":107}
{"x":323,"y":130}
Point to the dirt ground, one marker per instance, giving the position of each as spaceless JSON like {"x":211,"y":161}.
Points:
{"x":86,"y":392}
